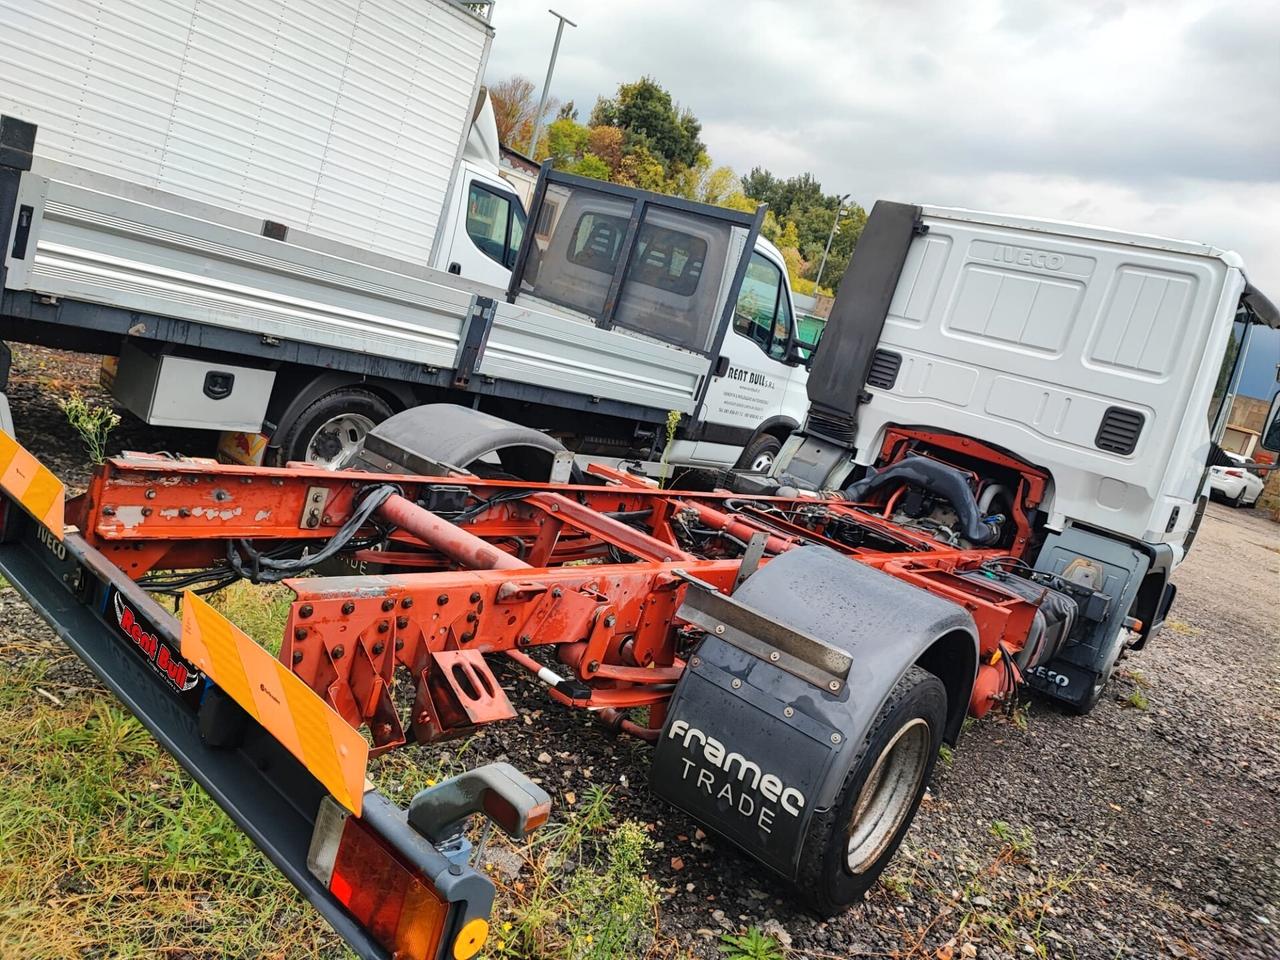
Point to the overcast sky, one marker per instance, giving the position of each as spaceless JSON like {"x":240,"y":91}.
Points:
{"x":1159,"y":117}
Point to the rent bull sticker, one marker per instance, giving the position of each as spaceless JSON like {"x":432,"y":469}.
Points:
{"x":181,"y":677}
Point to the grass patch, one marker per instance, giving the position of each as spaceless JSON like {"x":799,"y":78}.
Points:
{"x":111,"y":850}
{"x":754,"y":944}
{"x":587,"y":896}
{"x":260,"y":611}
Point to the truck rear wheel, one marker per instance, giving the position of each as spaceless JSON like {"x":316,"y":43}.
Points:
{"x":330,"y":431}
{"x":849,"y":845}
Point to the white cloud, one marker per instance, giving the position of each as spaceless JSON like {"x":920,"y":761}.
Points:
{"x":1153,"y":116}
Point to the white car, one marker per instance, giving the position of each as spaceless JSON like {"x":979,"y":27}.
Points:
{"x":1239,"y":486}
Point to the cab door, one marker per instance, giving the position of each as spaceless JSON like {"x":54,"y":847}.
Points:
{"x":754,"y":357}
{"x":487,"y":234}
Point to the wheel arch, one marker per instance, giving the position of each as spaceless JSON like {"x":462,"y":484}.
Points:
{"x":417,"y":437}
{"x":886,"y":625}
{"x":953,"y":659}
{"x":736,"y":695}
{"x":298,"y":389}
{"x":779,"y":426}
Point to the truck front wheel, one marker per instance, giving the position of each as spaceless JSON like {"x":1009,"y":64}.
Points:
{"x":850,"y":844}
{"x":330,"y":431}
{"x":760,"y":453}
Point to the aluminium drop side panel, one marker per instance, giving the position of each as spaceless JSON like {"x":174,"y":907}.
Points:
{"x":565,"y":352}
{"x":343,"y":118}
{"x":119,"y":245}
{"x":1025,"y":333}
{"x":100,"y":241}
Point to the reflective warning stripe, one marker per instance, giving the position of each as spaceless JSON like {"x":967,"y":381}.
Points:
{"x":30,"y":483}
{"x":335,"y":753}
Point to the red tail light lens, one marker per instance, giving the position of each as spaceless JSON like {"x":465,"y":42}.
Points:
{"x":1233,"y":473}
{"x":399,"y":909}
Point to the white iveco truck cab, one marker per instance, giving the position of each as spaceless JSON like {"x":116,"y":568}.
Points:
{"x":982,"y":344}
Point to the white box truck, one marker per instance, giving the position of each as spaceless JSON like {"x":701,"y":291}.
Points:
{"x":355,"y":122}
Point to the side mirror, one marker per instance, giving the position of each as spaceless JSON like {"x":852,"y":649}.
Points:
{"x":1270,"y":438}
{"x":801,"y":354}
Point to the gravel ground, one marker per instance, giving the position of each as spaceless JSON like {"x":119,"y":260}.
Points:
{"x":1147,"y":829}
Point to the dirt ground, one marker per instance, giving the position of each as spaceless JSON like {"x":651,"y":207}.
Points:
{"x":1150,"y":828}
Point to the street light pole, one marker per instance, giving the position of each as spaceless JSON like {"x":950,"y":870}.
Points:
{"x":831,"y":236}
{"x":546,"y":84}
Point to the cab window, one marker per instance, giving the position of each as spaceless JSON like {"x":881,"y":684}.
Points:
{"x":808,"y":333}
{"x":763,"y":311}
{"x":495,"y":223}
{"x":1230,"y":361}
{"x":663,"y":258}
{"x":597,"y":238}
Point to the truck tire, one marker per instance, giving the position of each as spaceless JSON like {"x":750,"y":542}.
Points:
{"x":759,"y":454}
{"x":849,"y":845}
{"x":329,"y":432}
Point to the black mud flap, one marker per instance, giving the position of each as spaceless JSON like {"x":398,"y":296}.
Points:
{"x":1115,"y":570}
{"x":732,"y":758}
{"x":735,"y":752}
{"x":1062,"y":680}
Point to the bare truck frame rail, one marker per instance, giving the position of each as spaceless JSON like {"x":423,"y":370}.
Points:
{"x":616,"y":594}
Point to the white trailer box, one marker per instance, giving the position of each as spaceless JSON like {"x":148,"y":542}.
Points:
{"x":341,"y":118}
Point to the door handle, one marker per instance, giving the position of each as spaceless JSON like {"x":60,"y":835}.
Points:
{"x":455,"y":268}
{"x":722,"y":366}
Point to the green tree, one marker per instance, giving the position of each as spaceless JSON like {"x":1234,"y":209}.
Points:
{"x":591,"y":166}
{"x":787,"y":197}
{"x":640,"y":168}
{"x":565,"y":141}
{"x":645,"y":111}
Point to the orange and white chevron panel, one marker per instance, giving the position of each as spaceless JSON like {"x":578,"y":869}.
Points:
{"x":31,"y":484}
{"x":335,"y":752}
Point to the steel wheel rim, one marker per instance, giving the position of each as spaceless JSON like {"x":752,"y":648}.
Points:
{"x":762,"y":463}
{"x":348,"y":431}
{"x":887,"y":795}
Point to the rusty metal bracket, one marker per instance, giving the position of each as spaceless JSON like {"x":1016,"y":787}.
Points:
{"x":752,"y":632}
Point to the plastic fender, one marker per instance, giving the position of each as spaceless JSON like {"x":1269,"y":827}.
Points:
{"x":453,"y":434}
{"x":885,"y":625}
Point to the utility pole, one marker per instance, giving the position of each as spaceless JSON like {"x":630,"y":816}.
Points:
{"x":546,"y":84}
{"x":831,"y":236}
